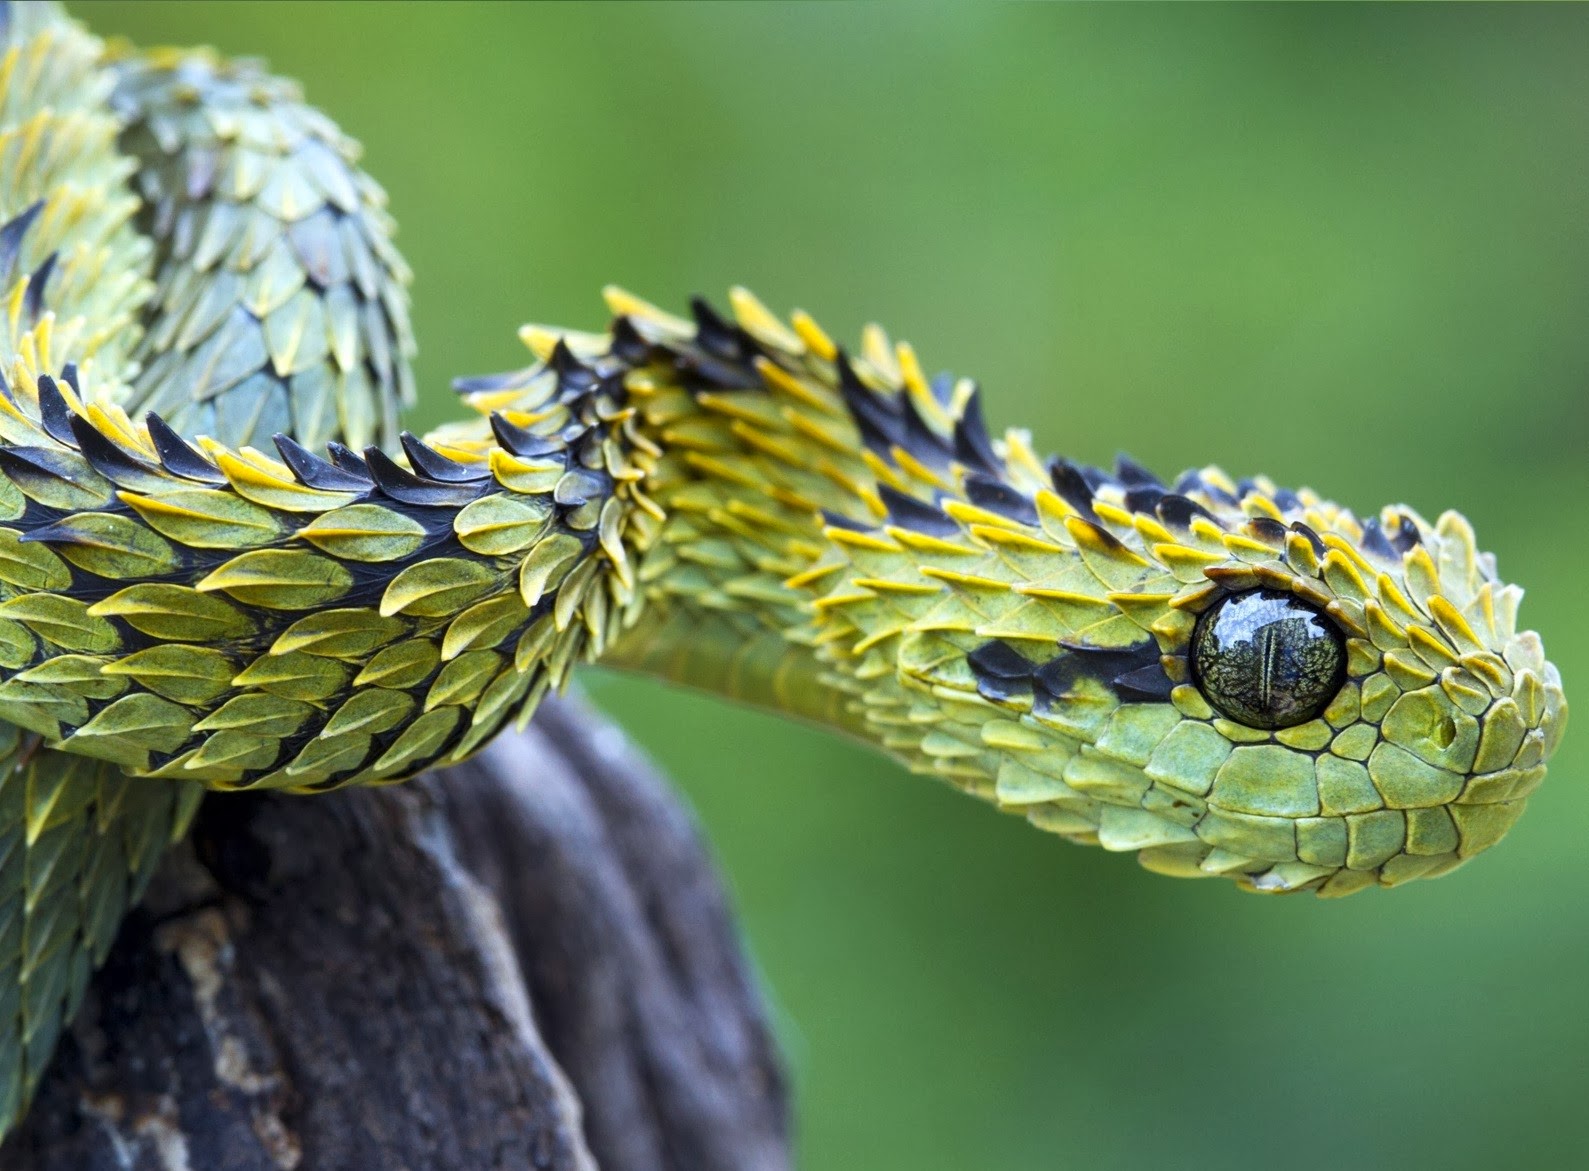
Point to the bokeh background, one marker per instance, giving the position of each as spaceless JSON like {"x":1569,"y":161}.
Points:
{"x":1347,"y":247}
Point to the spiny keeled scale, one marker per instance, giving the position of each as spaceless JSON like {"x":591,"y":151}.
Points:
{"x":351,"y":622}
{"x":733,"y":503}
{"x":280,"y":305}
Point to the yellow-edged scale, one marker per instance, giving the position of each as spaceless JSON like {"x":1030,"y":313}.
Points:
{"x":222,"y":567}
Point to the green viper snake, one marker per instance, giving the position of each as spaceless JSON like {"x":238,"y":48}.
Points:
{"x":222,"y":566}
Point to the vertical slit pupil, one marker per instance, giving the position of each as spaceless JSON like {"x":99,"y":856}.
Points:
{"x":1267,"y":659}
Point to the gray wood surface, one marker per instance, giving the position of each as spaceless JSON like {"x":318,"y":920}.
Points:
{"x":526,"y":961}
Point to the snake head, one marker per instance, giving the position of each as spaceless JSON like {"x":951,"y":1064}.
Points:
{"x":1225,"y":678}
{"x":1353,"y":702}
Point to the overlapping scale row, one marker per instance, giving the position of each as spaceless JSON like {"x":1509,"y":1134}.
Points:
{"x":214,"y":614}
{"x":281,"y":303}
{"x":79,"y":840}
{"x":754,"y":442}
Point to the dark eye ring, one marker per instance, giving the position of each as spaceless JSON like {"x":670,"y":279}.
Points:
{"x":1267,"y":659}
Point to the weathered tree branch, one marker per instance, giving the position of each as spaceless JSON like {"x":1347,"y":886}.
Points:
{"x":524,"y":962}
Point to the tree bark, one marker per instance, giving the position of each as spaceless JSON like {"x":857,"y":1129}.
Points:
{"x":526,"y":961}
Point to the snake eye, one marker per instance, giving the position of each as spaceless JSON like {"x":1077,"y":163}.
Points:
{"x":1267,"y":659}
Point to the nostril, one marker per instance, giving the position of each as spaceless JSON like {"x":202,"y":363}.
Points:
{"x":1444,"y":732}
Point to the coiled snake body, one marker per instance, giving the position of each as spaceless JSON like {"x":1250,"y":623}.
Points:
{"x":222,"y":567}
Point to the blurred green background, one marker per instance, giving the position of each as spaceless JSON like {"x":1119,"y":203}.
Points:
{"x":1347,"y":247}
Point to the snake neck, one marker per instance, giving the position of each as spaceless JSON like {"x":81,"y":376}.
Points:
{"x":839,"y":538}
{"x":769,"y":452}
{"x":752,"y":456}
